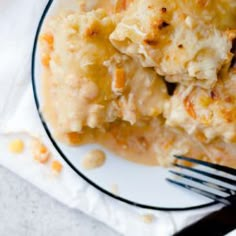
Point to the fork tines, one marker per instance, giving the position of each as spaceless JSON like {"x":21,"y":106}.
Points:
{"x":208,"y":164}
{"x":209,"y":184}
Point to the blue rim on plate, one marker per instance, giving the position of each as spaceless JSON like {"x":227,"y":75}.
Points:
{"x":48,"y":5}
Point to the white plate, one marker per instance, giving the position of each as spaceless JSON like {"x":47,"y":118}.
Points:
{"x":139,"y":185}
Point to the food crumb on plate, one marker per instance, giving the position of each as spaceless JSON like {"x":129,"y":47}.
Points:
{"x":148,"y":218}
{"x":114,"y":189}
{"x":16,"y":146}
{"x":94,"y":159}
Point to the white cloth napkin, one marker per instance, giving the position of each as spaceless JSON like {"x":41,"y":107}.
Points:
{"x":18,"y":117}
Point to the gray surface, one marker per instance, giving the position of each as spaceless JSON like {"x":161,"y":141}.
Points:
{"x":26,"y":211}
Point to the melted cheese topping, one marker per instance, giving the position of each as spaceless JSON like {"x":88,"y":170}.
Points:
{"x":175,"y":41}
{"x":91,"y":83}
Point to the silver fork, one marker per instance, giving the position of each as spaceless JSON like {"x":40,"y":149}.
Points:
{"x":205,"y":187}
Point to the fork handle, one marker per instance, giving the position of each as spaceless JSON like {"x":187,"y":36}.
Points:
{"x":218,"y":223}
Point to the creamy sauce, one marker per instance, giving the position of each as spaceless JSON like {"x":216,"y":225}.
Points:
{"x":148,"y":143}
{"x":94,"y":159}
{"x":130,"y":146}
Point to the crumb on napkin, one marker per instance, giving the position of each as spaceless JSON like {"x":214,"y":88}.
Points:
{"x":56,"y":166}
{"x":16,"y":146}
{"x":93,"y":159}
{"x":147,"y":218}
{"x":39,"y":151}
